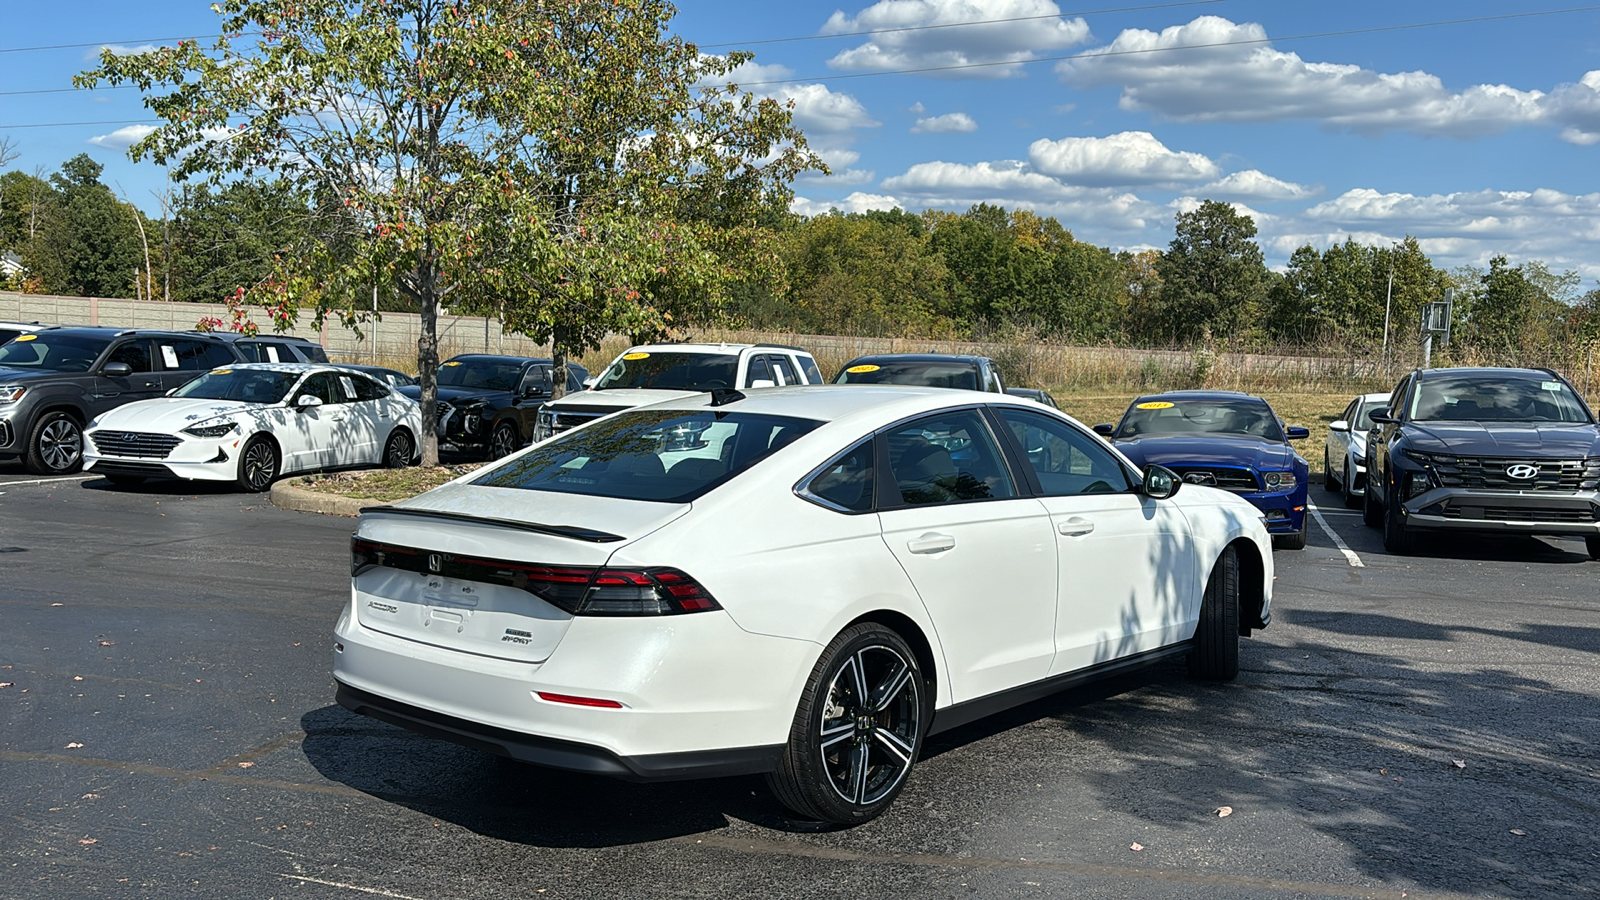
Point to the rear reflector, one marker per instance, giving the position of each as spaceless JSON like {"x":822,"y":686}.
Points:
{"x":579,"y":701}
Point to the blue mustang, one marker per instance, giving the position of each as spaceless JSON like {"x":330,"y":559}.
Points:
{"x":1227,"y":440}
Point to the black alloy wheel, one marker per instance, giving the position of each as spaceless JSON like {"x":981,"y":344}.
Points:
{"x":1592,"y":541}
{"x":1371,"y":512}
{"x":56,"y":446}
{"x":258,"y":464}
{"x":503,"y":442}
{"x":1215,"y":656}
{"x":858,"y":729}
{"x":399,"y":451}
{"x":1329,"y":483}
{"x":1351,"y":499}
{"x":1397,"y":537}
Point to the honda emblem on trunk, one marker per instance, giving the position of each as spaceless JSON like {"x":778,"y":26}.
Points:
{"x":1522,"y":471}
{"x":435,"y":562}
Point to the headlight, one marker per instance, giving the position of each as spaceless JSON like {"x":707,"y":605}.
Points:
{"x":11,"y":393}
{"x":212,"y":431}
{"x":1280,"y":481}
{"x":544,"y":425}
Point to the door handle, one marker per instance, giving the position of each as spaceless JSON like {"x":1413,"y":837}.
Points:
{"x":1075,"y":527}
{"x":931,"y":543}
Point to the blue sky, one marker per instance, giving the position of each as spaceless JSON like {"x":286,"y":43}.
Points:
{"x":1476,"y":137}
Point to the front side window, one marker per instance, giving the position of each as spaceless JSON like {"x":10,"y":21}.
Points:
{"x":135,"y":353}
{"x":54,"y":352}
{"x":1476,"y":398}
{"x":759,"y":371}
{"x":321,"y":386}
{"x":1066,"y":461}
{"x":948,"y":458}
{"x":240,"y":385}
{"x":1183,"y":415}
{"x":671,"y":371}
{"x":668,"y":456}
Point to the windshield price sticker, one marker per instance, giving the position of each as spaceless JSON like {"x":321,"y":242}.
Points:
{"x":631,"y":356}
{"x":27,"y":337}
{"x":861,"y":370}
{"x":452,"y":364}
{"x":1159,"y":404}
{"x":222,"y":371}
{"x":1547,"y":385}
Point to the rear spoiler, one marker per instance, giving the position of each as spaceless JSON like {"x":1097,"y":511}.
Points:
{"x":577,"y":533}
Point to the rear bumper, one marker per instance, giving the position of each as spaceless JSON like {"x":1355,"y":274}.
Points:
{"x":1530,"y":512}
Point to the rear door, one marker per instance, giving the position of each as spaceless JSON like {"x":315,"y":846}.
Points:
{"x":181,"y":361}
{"x":981,"y":555}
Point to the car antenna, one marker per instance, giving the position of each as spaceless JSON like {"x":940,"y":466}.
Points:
{"x":724,"y":396}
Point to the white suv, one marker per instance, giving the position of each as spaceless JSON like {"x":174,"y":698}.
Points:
{"x":651,"y":373}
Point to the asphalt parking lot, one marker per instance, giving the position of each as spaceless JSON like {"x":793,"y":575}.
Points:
{"x":1417,"y":727}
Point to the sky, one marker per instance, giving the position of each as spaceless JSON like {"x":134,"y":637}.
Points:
{"x":1477,"y":132}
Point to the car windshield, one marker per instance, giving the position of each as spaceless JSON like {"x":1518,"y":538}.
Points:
{"x":1180,"y":416}
{"x":937,"y":373}
{"x":671,"y":371}
{"x":670,"y":456}
{"x":1478,"y":398}
{"x":240,"y":385}
{"x":1363,"y":421}
{"x":487,"y":374}
{"x":53,"y":352}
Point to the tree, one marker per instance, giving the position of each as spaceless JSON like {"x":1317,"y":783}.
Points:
{"x":1213,"y":275}
{"x":864,"y":275}
{"x":481,"y":153}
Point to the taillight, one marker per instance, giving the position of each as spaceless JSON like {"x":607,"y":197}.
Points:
{"x":580,"y":590}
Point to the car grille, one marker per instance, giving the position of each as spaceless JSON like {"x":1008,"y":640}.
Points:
{"x":443,"y":412}
{"x":137,"y":444}
{"x":1225,"y":477}
{"x":5,"y":434}
{"x":1517,"y":514}
{"x":562,"y":420}
{"x":1489,"y":473}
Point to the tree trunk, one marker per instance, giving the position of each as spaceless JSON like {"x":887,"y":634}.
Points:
{"x":558,"y":363}
{"x":428,"y":358}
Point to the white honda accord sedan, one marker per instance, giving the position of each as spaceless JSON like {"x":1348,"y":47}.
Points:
{"x":806,"y":582}
{"x":253,"y":422}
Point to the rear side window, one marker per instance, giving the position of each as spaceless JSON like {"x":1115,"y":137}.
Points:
{"x":813,"y":374}
{"x":194,"y":355}
{"x":667,"y":456}
{"x":846,"y":482}
{"x":784,"y":369}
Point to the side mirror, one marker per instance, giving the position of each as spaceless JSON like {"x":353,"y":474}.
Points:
{"x":1297,"y":433}
{"x":589,"y":382}
{"x":116,"y":369}
{"x":1160,"y":482}
{"x":1382,"y":417}
{"x":763,"y":382}
{"x":1105,"y":430}
{"x":1339,"y":425}
{"x":307,"y":401}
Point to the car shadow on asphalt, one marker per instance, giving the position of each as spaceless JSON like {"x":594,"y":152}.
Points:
{"x":165,"y":487}
{"x":1569,"y":637}
{"x":1489,"y":548}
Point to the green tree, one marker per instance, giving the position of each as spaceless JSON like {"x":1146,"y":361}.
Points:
{"x":864,"y":275}
{"x":236,"y":236}
{"x":1213,"y":275}
{"x":565,"y":161}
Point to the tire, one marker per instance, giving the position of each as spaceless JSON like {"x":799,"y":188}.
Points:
{"x":503,"y":442}
{"x":1371,"y":512}
{"x":1592,"y":541}
{"x":258,"y":464}
{"x":1215,"y":656}
{"x":56,"y":445}
{"x":126,"y":480}
{"x":849,"y":771}
{"x":1397,"y":538}
{"x":1296,"y":541}
{"x":1351,"y":501}
{"x":1329,"y":483}
{"x":399,"y":451}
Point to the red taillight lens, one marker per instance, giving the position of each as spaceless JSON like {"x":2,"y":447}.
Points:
{"x":595,"y":702}
{"x":645,"y":592}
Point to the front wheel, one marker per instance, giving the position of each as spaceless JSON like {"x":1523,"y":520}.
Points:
{"x":1397,"y":537}
{"x":399,"y":451}
{"x":258,"y":465}
{"x":56,"y":446}
{"x":1296,"y":541}
{"x":1215,"y":656}
{"x":1351,"y":500}
{"x":1371,"y":512}
{"x":1329,"y":483}
{"x":503,"y":442}
{"x":1592,"y":541}
{"x":857,"y":731}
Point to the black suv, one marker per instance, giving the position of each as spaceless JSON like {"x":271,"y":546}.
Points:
{"x":273,"y":348}
{"x":488,"y":404}
{"x":55,"y":381}
{"x":1499,"y":450}
{"x":946,"y":370}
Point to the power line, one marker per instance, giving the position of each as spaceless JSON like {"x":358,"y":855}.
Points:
{"x":180,"y":37}
{"x":845,"y":34}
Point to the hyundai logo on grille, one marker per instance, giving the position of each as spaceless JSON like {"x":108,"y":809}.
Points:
{"x":1522,"y":471}
{"x":130,"y":436}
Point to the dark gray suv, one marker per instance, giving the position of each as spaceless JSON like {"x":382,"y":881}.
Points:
{"x":55,"y":381}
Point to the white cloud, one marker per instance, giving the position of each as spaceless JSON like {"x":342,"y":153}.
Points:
{"x":1577,"y":106}
{"x":123,"y":137}
{"x":857,"y":202}
{"x":818,"y":109}
{"x":122,"y":50}
{"x":1012,"y":183}
{"x":1000,"y":42}
{"x":1190,"y":204}
{"x":1253,"y":184}
{"x":945,"y":124}
{"x":1129,"y":158}
{"x":839,"y":163}
{"x":1252,"y":82}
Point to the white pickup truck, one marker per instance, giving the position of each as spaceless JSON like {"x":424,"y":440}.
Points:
{"x":654,"y":372}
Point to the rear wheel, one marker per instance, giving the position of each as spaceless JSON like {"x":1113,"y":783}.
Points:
{"x":1215,"y":656}
{"x":1329,"y":483}
{"x":258,"y":464}
{"x":56,"y":446}
{"x":399,"y":450}
{"x":503,"y":442}
{"x":1593,"y":543}
{"x":1397,"y":537}
{"x":1371,"y":512}
{"x":857,"y":731}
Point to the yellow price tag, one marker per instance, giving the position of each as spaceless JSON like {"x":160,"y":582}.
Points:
{"x":1159,"y":404}
{"x":631,"y":356}
{"x":452,"y":364}
{"x":222,"y":371}
{"x":860,"y":370}
{"x":26,"y":337}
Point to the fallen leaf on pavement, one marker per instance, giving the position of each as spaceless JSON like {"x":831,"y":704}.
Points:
{"x":108,"y":643}
{"x":1519,"y":832}
{"x":89,"y":841}
{"x":77,"y":678}
{"x":1223,"y":811}
{"x":1136,"y":847}
{"x":246,"y":765}
{"x":1459,"y":763}
{"x":74,"y":745}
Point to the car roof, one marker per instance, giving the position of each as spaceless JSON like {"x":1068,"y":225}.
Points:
{"x":1488,"y":372}
{"x":237,"y":336}
{"x":918,"y":357}
{"x":1364,"y":398}
{"x":1198,"y":395}
{"x":693,"y":347}
{"x":288,"y":367}
{"x":104,"y":331}
{"x":498,"y":357}
{"x":840,"y":402}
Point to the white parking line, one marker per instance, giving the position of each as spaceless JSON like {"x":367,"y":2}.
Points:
{"x":47,"y":480}
{"x":1349,"y":555}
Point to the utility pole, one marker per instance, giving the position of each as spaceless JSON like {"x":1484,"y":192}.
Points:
{"x":1388,"y":301}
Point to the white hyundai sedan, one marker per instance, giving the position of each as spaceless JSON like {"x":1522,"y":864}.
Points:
{"x":253,"y":422}
{"x":805,"y":582}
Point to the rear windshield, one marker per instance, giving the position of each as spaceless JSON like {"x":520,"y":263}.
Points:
{"x":53,"y":352}
{"x":668,"y":456}
{"x":1481,"y":399}
{"x":671,"y":371}
{"x":242,"y":385}
{"x":1180,"y":416}
{"x":941,"y":373}
{"x":487,"y":374}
